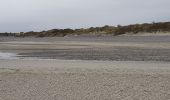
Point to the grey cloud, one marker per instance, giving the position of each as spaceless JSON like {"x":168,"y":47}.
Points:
{"x":37,"y":15}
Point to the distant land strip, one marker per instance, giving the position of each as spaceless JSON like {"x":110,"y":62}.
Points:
{"x":112,"y":30}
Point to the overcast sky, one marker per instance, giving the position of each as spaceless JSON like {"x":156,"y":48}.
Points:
{"x":38,"y":15}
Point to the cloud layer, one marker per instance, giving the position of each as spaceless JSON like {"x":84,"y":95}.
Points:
{"x":37,"y":15}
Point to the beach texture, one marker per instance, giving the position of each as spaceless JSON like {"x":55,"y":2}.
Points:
{"x":120,"y":68}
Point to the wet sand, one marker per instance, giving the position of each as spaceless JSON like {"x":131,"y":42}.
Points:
{"x":150,"y":49}
{"x":72,"y":68}
{"x":115,"y":53}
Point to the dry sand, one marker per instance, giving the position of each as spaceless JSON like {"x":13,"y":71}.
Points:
{"x":91,"y":79}
{"x":83,"y":80}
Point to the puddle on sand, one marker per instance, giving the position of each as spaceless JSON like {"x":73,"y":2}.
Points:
{"x":5,"y":55}
{"x":9,"y":55}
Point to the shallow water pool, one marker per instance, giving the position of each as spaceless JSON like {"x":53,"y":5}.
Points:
{"x":5,"y":55}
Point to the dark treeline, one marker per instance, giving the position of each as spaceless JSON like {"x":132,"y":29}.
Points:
{"x":118,"y":30}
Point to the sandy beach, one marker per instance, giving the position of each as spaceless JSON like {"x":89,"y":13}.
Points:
{"x":85,"y":68}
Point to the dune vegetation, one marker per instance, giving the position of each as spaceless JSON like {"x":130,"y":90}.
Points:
{"x":113,"y":30}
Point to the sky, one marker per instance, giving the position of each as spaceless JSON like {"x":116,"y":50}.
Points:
{"x":39,"y":15}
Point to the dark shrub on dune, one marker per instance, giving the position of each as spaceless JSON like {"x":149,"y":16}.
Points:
{"x":136,"y":28}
